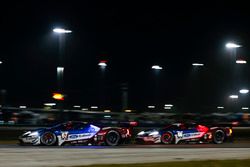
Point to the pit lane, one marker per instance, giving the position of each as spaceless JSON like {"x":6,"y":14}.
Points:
{"x":23,"y":156}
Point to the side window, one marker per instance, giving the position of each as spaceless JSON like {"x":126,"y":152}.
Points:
{"x":173,"y":127}
{"x":191,"y":126}
{"x":182,"y":127}
{"x":79,"y":126}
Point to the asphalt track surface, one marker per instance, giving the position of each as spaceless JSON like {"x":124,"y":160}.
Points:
{"x":13,"y":155}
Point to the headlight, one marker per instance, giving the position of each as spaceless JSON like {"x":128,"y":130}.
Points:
{"x":154,"y":133}
{"x":34,"y":134}
{"x":141,"y":133}
{"x":26,"y":133}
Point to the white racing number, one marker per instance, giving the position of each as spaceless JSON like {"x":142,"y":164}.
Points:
{"x":179,"y":134}
{"x":65,"y":135}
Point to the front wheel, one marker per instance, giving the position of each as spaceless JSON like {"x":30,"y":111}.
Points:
{"x":48,"y":139}
{"x":112,"y":138}
{"x":167,"y":138}
{"x":218,"y":136}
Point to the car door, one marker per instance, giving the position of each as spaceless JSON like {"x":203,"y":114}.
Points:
{"x":81,"y":131}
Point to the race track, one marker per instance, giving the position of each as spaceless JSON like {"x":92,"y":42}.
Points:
{"x":13,"y":155}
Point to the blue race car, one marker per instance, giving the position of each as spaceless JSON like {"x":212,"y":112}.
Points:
{"x":74,"y":132}
{"x":185,"y":133}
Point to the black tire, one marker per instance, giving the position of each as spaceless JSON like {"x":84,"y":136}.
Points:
{"x":218,"y":136}
{"x":167,"y":138}
{"x":48,"y":139}
{"x":112,"y":138}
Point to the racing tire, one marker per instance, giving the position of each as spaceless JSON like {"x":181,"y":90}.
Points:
{"x":218,"y":136}
{"x":112,"y":138}
{"x":167,"y":138}
{"x":48,"y":139}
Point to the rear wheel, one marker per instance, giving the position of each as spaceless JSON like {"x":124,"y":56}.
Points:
{"x":48,"y":139}
{"x":167,"y":138}
{"x":112,"y":138}
{"x":218,"y":136}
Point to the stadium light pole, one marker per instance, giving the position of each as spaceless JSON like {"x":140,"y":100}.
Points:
{"x":233,"y":46}
{"x":103,"y":65}
{"x":60,"y":69}
{"x":156,"y":74}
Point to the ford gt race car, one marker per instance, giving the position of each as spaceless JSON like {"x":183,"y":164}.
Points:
{"x":185,"y":133}
{"x":74,"y":132}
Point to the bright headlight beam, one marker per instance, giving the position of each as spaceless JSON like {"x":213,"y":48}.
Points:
{"x":33,"y":134}
{"x":141,"y":133}
{"x":154,"y":133}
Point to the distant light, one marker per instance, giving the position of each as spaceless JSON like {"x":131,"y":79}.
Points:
{"x":156,"y":67}
{"x":58,"y":96}
{"x":128,"y":110}
{"x":60,"y":69}
{"x":85,"y":109}
{"x":93,"y":107}
{"x":107,"y":116}
{"x":49,"y":104}
{"x":168,"y":105}
{"x":244,"y":108}
{"x":233,"y":96}
{"x":61,"y":31}
{"x":77,"y":106}
{"x":1,"y":62}
{"x":220,"y":107}
{"x":167,"y":108}
{"x":22,"y":107}
{"x":151,"y":106}
{"x":198,"y":64}
{"x":241,"y":61}
{"x":232,"y":45}
{"x":107,"y":110}
{"x":244,"y":91}
{"x":102,"y":64}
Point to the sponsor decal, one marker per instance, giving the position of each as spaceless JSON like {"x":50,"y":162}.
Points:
{"x":191,"y":134}
{"x":85,"y":134}
{"x":64,"y":135}
{"x":73,"y":136}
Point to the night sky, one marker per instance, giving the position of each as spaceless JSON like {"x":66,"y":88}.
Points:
{"x":131,"y":36}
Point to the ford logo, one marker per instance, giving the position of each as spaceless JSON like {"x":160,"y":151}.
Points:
{"x":73,"y":136}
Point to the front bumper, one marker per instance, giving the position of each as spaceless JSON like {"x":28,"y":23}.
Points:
{"x":30,"y":140}
{"x":146,"y":140}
